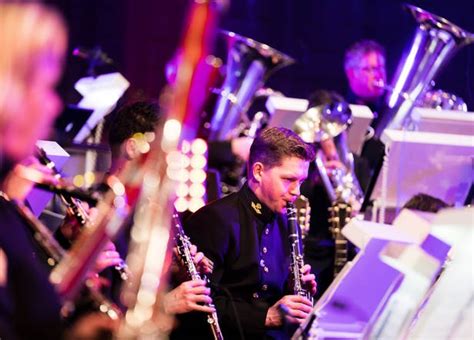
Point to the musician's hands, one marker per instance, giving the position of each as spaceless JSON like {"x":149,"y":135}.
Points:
{"x":71,"y":227}
{"x":108,"y":257}
{"x":333,"y":165}
{"x":295,"y":309}
{"x":331,"y":157}
{"x":22,"y":178}
{"x":309,"y":280}
{"x":188,"y":296}
{"x":328,"y":147}
{"x":203,"y":264}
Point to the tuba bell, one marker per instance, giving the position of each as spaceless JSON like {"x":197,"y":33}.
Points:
{"x":321,"y":123}
{"x":436,"y":41}
{"x":249,"y":64}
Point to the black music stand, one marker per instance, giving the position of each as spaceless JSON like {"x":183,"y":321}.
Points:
{"x":70,"y":122}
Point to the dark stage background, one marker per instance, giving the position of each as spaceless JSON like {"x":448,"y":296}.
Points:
{"x":141,"y":35}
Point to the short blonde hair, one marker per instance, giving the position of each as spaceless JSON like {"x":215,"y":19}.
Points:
{"x":28,"y":32}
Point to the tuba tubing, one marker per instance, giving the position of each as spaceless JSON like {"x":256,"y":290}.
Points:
{"x":319,"y":124}
{"x":436,"y":40}
{"x":249,"y":64}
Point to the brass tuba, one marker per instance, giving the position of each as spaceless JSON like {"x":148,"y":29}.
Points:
{"x":436,"y":40}
{"x":249,"y":64}
{"x":319,"y":124}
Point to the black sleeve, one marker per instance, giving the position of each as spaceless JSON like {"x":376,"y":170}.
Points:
{"x":28,"y":302}
{"x":211,"y":235}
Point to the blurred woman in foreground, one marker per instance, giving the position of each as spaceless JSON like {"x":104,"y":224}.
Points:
{"x":33,"y":39}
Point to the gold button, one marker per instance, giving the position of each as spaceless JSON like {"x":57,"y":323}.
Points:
{"x":262,"y":263}
{"x":255,"y":295}
{"x":267,"y":231}
{"x":264,"y":287}
{"x":264,"y":250}
{"x":265,"y":269}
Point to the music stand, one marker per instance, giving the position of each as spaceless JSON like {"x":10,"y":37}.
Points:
{"x":402,"y":269}
{"x":444,"y":121}
{"x":70,"y":122}
{"x":284,"y":111}
{"x":447,"y":314}
{"x":101,"y":95}
{"x":38,"y":199}
{"x":436,"y":164}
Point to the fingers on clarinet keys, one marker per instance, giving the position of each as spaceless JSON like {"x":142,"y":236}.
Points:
{"x":308,"y":279}
{"x":189,"y":296}
{"x":203,"y":264}
{"x":293,"y":309}
{"x":107,"y":258}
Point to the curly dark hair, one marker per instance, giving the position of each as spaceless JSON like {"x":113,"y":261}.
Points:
{"x":273,"y":144}
{"x":138,"y":117}
{"x":324,"y":97}
{"x":425,"y":202}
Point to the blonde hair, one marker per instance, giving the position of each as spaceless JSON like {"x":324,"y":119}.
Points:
{"x":28,"y":32}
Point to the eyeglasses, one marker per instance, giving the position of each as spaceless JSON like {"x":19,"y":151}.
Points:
{"x":372,"y":69}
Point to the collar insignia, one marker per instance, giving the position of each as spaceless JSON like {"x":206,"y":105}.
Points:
{"x":257,"y":207}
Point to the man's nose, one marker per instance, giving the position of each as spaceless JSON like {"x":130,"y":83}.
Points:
{"x":295,"y":189}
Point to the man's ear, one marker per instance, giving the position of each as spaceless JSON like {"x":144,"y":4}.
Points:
{"x":131,"y":148}
{"x":257,"y":171}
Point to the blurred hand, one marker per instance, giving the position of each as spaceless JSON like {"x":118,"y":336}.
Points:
{"x":188,"y":296}
{"x":329,"y":149}
{"x":295,"y":310}
{"x":108,"y":257}
{"x":331,"y":157}
{"x":71,"y":227}
{"x":22,"y":178}
{"x":332,"y":165}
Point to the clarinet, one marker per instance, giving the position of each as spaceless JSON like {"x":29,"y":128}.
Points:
{"x":55,"y":253}
{"x":296,"y":253}
{"x":183,"y":245}
{"x":75,"y":208}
